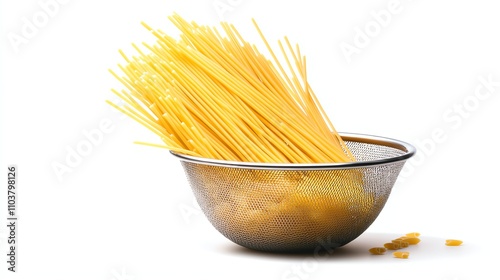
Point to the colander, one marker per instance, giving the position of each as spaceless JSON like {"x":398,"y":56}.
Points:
{"x":298,"y":207}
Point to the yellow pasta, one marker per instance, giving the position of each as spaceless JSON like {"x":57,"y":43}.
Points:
{"x":401,"y":255}
{"x":412,"y":240}
{"x":214,"y":95}
{"x":402,"y":243}
{"x":377,"y":250}
{"x":405,"y":241}
{"x":392,"y":246}
{"x":412,"y":234}
{"x":453,"y":242}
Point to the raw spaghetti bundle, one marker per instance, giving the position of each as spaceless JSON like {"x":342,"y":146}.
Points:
{"x":212,"y":94}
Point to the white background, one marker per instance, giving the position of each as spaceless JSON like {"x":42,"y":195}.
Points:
{"x":125,"y":211}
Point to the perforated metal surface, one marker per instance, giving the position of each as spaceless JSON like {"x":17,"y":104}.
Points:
{"x":284,"y":210}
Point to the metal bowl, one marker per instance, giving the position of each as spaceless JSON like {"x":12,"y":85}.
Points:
{"x":298,"y":207}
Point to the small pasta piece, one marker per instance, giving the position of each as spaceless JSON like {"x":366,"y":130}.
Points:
{"x":378,"y":250}
{"x":401,"y":255}
{"x":402,"y":243}
{"x":453,"y":242}
{"x":413,"y":234}
{"x":392,"y":246}
{"x":412,"y":240}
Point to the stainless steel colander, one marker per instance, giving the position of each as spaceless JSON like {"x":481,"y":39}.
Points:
{"x":298,"y":207}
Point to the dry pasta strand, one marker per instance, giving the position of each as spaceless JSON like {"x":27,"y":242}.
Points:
{"x":212,"y":94}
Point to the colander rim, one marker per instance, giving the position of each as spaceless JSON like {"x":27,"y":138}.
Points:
{"x":409,"y":150}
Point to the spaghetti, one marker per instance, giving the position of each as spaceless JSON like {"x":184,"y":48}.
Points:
{"x":216,"y":96}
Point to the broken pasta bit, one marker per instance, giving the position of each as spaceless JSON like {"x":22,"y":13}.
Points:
{"x":402,"y":243}
{"x":401,"y":255}
{"x":410,"y":240}
{"x":453,"y":242}
{"x":392,"y":246}
{"x":378,"y":250}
